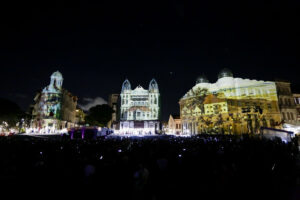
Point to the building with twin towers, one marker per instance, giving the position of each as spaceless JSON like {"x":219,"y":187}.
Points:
{"x":140,"y":109}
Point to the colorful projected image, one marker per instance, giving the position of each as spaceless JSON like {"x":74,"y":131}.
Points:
{"x":140,"y":104}
{"x":231,"y":105}
{"x":51,"y":106}
{"x":51,"y":98}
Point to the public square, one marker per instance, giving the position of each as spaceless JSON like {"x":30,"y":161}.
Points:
{"x":152,"y":167}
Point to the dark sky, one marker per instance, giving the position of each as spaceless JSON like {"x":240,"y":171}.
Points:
{"x":97,"y":46}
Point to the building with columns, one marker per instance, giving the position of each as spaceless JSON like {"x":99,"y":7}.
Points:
{"x":230,"y":105}
{"x":139,"y":110}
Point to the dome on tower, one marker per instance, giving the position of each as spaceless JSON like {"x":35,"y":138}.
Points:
{"x":225,"y":73}
{"x":202,"y":79}
{"x":153,"y":85}
{"x":56,"y":81}
{"x":126,"y":85}
{"x":57,"y":74}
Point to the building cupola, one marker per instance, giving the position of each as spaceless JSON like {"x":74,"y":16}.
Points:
{"x":126,"y":85}
{"x":225,"y":73}
{"x":202,"y":79}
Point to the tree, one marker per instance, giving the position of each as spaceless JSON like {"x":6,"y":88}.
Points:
{"x":10,"y":113}
{"x":99,"y":115}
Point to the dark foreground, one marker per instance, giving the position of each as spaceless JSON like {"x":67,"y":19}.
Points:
{"x":150,"y":168}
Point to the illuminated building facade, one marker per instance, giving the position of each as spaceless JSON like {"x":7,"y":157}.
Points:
{"x":297,"y":102}
{"x":287,"y":104}
{"x":174,"y":125}
{"x":80,"y":116}
{"x":139,"y":110}
{"x":113,"y":103}
{"x":229,"y":106}
{"x":55,"y":107}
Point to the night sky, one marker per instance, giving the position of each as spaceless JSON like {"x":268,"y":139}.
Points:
{"x":97,"y":46}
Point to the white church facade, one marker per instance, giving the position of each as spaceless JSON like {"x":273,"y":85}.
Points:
{"x":139,"y":110}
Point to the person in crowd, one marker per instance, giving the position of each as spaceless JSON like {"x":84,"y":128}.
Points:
{"x":162,"y":167}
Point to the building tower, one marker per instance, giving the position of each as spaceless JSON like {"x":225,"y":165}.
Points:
{"x":56,"y":80}
{"x":125,"y":95}
{"x":154,"y":99}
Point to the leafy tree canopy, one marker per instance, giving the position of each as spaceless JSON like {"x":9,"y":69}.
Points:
{"x":99,"y":115}
{"x":10,"y":112}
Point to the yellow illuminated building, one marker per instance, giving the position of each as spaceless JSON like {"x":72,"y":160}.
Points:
{"x":229,"y":106}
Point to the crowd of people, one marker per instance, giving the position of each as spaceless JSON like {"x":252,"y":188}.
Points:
{"x":162,"y":167}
